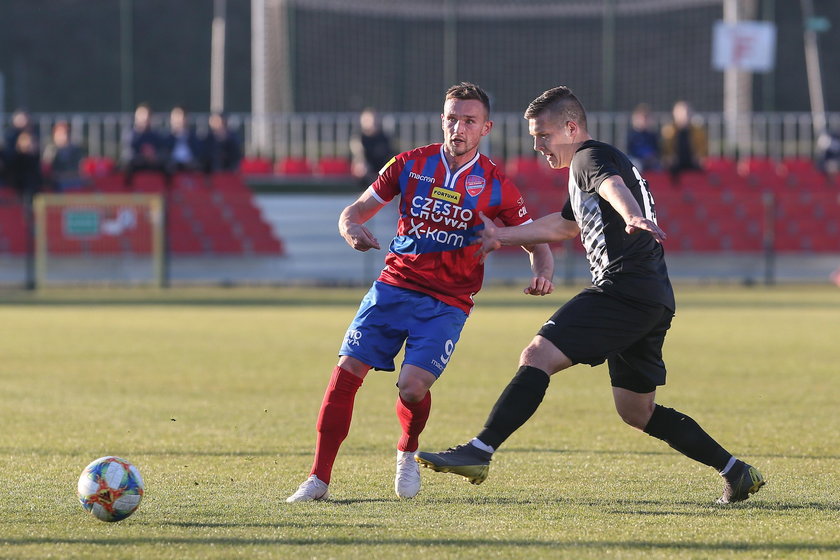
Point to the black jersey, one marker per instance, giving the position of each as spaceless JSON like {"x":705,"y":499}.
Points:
{"x":631,"y":265}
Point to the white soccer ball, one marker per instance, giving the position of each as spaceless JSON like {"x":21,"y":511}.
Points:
{"x":110,"y":488}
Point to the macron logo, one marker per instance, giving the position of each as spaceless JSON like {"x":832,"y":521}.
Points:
{"x":419,"y":177}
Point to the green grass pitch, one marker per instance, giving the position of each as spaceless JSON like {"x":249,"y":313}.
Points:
{"x":213,"y":394}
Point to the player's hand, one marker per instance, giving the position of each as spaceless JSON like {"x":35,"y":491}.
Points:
{"x":539,"y":286}
{"x":360,"y":238}
{"x":638,"y":223}
{"x":488,"y":238}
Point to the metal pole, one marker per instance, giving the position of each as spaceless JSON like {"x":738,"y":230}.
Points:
{"x":259,"y":99}
{"x":730,"y":89}
{"x":812,"y":66}
{"x":2,"y":105}
{"x":737,"y":87}
{"x":217,"y":57}
{"x":608,"y":56}
{"x":126,"y":55}
{"x":768,"y":199}
{"x":768,"y":79}
{"x":29,"y":219}
{"x":450,"y":44}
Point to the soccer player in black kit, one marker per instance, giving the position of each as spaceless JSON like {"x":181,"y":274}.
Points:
{"x":621,"y":319}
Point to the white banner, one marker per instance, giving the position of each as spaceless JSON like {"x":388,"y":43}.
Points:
{"x":747,"y":45}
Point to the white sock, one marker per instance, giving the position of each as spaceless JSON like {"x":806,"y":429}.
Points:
{"x":728,"y":466}
{"x":481,"y":445}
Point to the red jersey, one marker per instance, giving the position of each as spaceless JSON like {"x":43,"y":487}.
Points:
{"x":431,"y":252}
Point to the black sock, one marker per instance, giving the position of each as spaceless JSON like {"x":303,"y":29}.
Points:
{"x":516,"y":404}
{"x":686,"y":436}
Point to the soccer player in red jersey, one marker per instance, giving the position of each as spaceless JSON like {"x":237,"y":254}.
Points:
{"x":424,"y":294}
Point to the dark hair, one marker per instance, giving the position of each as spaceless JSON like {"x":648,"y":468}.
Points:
{"x":559,"y":100}
{"x":467,"y":90}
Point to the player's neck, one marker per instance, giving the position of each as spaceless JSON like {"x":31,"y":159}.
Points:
{"x":456,"y":162}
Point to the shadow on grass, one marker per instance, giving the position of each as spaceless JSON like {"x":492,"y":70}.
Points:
{"x":475,"y":546}
{"x":160,"y":453}
{"x":307,"y":452}
{"x":219,"y":296}
{"x":233,"y":525}
{"x":666,"y":451}
{"x":642,"y":507}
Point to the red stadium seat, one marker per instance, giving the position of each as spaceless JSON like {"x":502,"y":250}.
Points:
{"x":97,"y":166}
{"x":229,"y":183}
{"x":758,"y":166}
{"x":256,"y":166}
{"x":293,"y":166}
{"x":333,"y":166}
{"x":720,"y":165}
{"x":798,"y":165}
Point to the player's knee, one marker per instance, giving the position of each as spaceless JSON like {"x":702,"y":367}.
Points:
{"x":542,"y":354}
{"x":413,"y":393}
{"x":354,"y":366}
{"x":412,"y":389}
{"x":637,"y":417}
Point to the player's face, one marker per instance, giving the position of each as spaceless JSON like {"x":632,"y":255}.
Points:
{"x":555,"y":138}
{"x":464,"y":123}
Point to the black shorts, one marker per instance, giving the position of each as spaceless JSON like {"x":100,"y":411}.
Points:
{"x":597,"y":326}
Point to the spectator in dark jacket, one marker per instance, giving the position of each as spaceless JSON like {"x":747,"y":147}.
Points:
{"x":181,"y":147}
{"x":62,"y":159}
{"x":642,"y":140}
{"x":24,"y":166}
{"x":146,"y":146}
{"x":222,"y":148}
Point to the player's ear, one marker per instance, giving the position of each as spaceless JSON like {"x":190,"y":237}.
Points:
{"x":572,"y":128}
{"x":488,"y":126}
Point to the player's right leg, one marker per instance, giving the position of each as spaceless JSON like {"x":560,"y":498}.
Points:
{"x":515,"y":406}
{"x":332,"y":427}
{"x":570,"y":328}
{"x":370,"y":341}
{"x":434,"y":330}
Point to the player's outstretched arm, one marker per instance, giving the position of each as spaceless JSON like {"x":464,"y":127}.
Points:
{"x":548,"y":229}
{"x":352,"y":219}
{"x":614,"y":191}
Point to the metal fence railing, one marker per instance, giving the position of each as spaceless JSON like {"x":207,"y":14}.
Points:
{"x":316,"y":135}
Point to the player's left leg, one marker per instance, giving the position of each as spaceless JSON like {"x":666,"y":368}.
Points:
{"x":517,"y":403}
{"x":435,"y":328}
{"x":569,"y":327}
{"x":674,"y":428}
{"x":413,"y":406}
{"x":685,"y":435}
{"x":635,"y":373}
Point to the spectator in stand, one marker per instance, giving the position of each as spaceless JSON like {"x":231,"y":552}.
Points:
{"x":371,"y":148}
{"x":62,"y":159}
{"x":181,"y":147}
{"x":24,"y":165}
{"x":222,"y":148}
{"x":828,"y":159}
{"x":21,"y":122}
{"x":684,"y":142}
{"x":642,"y":141}
{"x":146,"y":146}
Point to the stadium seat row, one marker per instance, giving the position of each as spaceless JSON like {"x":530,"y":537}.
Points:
{"x":206,"y":215}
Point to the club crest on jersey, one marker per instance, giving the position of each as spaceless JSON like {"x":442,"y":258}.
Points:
{"x":474,"y":184}
{"x":441,"y":193}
